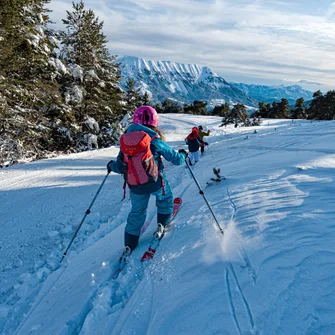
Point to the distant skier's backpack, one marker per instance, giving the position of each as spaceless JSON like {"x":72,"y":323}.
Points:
{"x":141,"y":167}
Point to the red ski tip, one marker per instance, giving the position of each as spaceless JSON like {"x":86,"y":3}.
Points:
{"x":147,"y":255}
{"x":177,"y":201}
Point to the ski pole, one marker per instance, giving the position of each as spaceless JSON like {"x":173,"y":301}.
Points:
{"x":203,"y":194}
{"x":88,"y":211}
{"x":210,"y":151}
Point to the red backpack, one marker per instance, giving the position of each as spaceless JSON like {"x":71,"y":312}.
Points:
{"x":141,"y":167}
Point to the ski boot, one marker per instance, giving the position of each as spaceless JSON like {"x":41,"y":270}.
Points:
{"x":159,"y":233}
{"x":124,"y":259}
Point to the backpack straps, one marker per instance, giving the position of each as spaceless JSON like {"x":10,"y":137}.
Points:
{"x":124,"y":189}
{"x":163,"y":183}
{"x":159,"y":173}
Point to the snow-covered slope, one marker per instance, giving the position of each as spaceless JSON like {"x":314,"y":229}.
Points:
{"x":274,"y":93}
{"x":272,"y":272}
{"x":181,"y":82}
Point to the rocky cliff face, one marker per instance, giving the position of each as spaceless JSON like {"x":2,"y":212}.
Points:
{"x":180,"y":82}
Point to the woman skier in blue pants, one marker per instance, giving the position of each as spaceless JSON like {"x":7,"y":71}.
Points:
{"x":146,"y":119}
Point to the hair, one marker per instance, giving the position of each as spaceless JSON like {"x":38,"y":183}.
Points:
{"x":157,"y":131}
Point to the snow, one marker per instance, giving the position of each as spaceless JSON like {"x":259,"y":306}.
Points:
{"x":165,"y":67}
{"x":57,"y":63}
{"x":65,"y":131}
{"x":53,"y":40}
{"x":92,"y":124}
{"x":74,"y":94}
{"x":77,"y":71}
{"x":92,"y":73}
{"x":91,"y":141}
{"x":271,"y":273}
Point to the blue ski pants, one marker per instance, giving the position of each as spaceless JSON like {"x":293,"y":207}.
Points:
{"x":193,"y":156}
{"x":139,"y":203}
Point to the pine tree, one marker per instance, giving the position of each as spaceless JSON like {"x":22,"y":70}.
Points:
{"x":221,"y":110}
{"x":322,"y":106}
{"x":146,"y":100}
{"x":27,"y":72}
{"x":25,"y":50}
{"x":283,"y":109}
{"x":133,"y":98}
{"x":91,"y":86}
{"x":299,"y":111}
{"x":169,"y":106}
{"x":273,"y":110}
{"x":263,"y":110}
{"x":226,"y":108}
{"x":200,"y":107}
{"x":330,"y":106}
{"x":159,"y":108}
{"x":315,"y":107}
{"x":239,"y":114}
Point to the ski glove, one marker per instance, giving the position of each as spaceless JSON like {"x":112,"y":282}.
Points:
{"x":183,"y":151}
{"x":109,"y":166}
{"x":206,"y":143}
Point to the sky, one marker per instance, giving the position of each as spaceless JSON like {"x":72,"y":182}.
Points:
{"x":266,"y":42}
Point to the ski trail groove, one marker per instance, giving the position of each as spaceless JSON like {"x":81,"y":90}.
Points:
{"x":231,"y":303}
{"x":246,"y":304}
{"x":231,"y":267}
{"x":243,"y":254}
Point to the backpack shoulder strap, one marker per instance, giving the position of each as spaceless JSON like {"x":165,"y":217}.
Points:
{"x":154,"y":138}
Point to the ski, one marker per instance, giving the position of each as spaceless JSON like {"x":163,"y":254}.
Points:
{"x":214,"y":181}
{"x":124,"y":260}
{"x":159,"y":233}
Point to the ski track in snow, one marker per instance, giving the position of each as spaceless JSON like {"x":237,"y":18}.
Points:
{"x":272,"y":272}
{"x":121,"y":285}
{"x":231,"y":269}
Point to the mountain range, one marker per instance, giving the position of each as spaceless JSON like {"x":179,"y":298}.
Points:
{"x":185,"y":83}
{"x":269,"y":94}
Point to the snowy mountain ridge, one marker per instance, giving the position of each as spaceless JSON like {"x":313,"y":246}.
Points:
{"x":269,"y":94}
{"x":180,"y":82}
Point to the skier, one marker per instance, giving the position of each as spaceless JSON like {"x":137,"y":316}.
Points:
{"x":194,"y":142}
{"x":202,"y":134}
{"x":145,"y":121}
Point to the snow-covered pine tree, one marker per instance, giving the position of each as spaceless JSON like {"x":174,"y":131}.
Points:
{"x":27,"y":87}
{"x":91,"y":86}
{"x":132,"y":95}
{"x":146,"y":99}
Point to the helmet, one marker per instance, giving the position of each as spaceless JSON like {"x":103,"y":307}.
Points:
{"x":200,"y":127}
{"x":146,"y":115}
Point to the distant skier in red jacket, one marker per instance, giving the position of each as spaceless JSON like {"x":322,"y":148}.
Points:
{"x":194,"y":142}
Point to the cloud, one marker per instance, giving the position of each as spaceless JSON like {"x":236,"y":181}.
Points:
{"x":302,"y":81}
{"x":331,"y":10}
{"x":254,"y":38}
